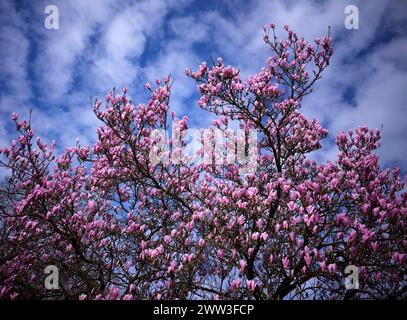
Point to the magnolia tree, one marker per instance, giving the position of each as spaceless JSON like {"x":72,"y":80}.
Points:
{"x":133,"y":217}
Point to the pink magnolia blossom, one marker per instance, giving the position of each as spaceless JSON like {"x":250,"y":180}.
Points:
{"x":251,"y":285}
{"x":332,"y":268}
{"x":243,"y":265}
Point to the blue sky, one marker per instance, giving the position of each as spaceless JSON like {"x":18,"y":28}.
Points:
{"x":106,"y":43}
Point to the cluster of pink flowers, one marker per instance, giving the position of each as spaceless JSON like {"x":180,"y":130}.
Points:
{"x":119,"y":226}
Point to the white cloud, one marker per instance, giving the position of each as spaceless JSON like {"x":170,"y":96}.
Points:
{"x":173,"y":58}
{"x":14,"y":48}
{"x":61,"y":50}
